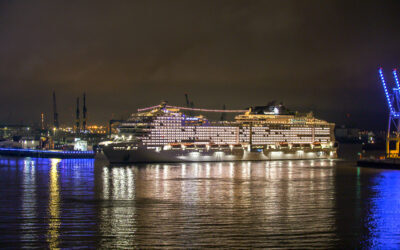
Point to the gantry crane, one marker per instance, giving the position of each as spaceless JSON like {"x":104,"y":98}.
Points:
{"x":393,"y":132}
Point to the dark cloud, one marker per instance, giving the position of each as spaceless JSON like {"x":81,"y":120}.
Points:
{"x":319,"y":55}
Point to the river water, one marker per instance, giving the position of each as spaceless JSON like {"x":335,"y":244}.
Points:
{"x":50,"y":203}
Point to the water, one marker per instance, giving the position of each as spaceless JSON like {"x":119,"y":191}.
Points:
{"x":290,"y":204}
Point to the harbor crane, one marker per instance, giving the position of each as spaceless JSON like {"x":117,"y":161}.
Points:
{"x":393,"y":132}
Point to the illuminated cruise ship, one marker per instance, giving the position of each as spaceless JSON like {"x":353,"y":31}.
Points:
{"x":165,"y":133}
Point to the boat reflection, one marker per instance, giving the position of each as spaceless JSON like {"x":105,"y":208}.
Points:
{"x":118,"y":212}
{"x":54,"y":206}
{"x":172,"y":202}
{"x":29,"y":205}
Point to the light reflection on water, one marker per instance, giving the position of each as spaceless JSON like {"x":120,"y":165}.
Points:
{"x":317,"y":203}
{"x":385,"y":210}
{"x":28,"y":204}
{"x":54,"y":206}
{"x":223,"y":204}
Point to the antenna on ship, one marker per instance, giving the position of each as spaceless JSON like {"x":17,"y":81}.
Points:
{"x":223,"y":113}
{"x":163,"y":104}
{"x":187,"y":100}
{"x":192,"y":107}
{"x":189,"y":104}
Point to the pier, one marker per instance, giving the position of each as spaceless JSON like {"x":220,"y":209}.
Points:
{"x":47,"y":153}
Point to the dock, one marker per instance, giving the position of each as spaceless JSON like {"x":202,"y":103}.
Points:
{"x":392,"y":158}
{"x":35,"y":153}
{"x":380,"y":163}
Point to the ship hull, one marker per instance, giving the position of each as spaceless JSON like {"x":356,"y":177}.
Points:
{"x":144,"y":155}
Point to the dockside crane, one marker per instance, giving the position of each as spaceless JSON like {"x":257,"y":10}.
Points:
{"x":55,"y":114}
{"x":393,"y":132}
{"x":77,"y":116}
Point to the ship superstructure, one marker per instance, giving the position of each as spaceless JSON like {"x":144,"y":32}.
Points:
{"x":166,"y":134}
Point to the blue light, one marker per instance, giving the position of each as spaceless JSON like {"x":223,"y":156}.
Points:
{"x":384,"y":210}
{"x":396,"y":79}
{"x":387,"y":94}
{"x":44,"y":151}
{"x":192,"y":119}
{"x":49,"y":152}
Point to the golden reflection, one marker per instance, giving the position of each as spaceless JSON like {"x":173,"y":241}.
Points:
{"x":165,"y":187}
{"x":29,"y":201}
{"x":106,"y":183}
{"x":119,"y":216}
{"x":196,"y":169}
{"x":54,"y":206}
{"x":169,"y":198}
{"x":231,"y":170}
{"x":220,"y":169}
{"x":183,"y":169}
{"x":290,"y":170}
{"x":165,"y":172}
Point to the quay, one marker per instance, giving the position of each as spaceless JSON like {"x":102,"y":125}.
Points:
{"x":380,"y":163}
{"x":47,"y":153}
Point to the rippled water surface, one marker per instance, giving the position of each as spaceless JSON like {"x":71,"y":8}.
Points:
{"x":300,"y":204}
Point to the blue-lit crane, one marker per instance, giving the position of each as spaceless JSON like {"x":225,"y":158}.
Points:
{"x":393,"y":100}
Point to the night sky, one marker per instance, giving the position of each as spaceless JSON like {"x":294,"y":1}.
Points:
{"x":311,"y":55}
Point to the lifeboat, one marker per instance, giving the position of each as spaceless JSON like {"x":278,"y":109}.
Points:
{"x":176,"y":146}
{"x":189,"y":146}
{"x":317,"y":145}
{"x":296,"y":146}
{"x":283,"y":145}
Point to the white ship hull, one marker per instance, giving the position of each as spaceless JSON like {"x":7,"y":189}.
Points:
{"x":144,"y":155}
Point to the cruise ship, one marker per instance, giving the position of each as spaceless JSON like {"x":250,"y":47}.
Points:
{"x":164,"y":133}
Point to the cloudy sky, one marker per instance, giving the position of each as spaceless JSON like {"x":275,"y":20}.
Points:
{"x":311,"y":55}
